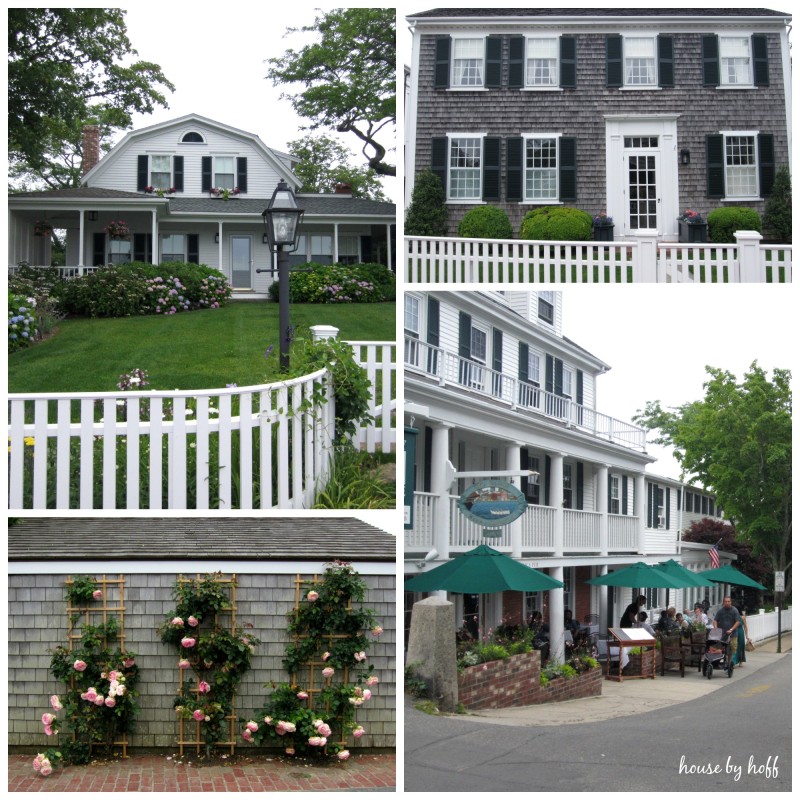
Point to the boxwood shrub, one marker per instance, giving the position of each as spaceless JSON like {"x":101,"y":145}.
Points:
{"x":338,"y":283}
{"x":556,"y":223}
{"x":485,"y":222}
{"x":724,"y":222}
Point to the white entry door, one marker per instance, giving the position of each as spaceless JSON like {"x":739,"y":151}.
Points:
{"x":642,"y":196}
{"x":242,"y":262}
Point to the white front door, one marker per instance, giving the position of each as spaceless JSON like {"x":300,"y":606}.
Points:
{"x":642,"y":198}
{"x":242,"y":262}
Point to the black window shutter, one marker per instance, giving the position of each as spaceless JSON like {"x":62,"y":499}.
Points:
{"x":579,"y":387}
{"x":497,"y":350}
{"x":193,"y":248}
{"x":433,"y":322}
{"x":426,"y":478}
{"x":523,"y":362}
{"x":613,"y":60}
{"x":514,"y":159}
{"x":548,"y":374}
{"x":205,"y":169}
{"x":666,"y":508}
{"x":715,"y":164}
{"x":523,"y":464}
{"x":99,"y":249}
{"x":241,"y":174}
{"x":491,"y":168}
{"x":558,"y":375}
{"x":439,"y":151}
{"x":567,"y":169}
{"x":494,"y":61}
{"x":441,"y":78}
{"x":710,"y":53}
{"x":464,"y":334}
{"x":579,"y":487}
{"x":568,"y":63}
{"x":516,"y":62}
{"x":766,"y":163}
{"x":760,"y":60}
{"x":666,"y":62}
{"x":177,"y":173}
{"x":142,"y":173}
{"x":651,"y":506}
{"x":623,"y":509}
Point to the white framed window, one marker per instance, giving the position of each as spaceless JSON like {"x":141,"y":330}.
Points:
{"x":464,"y":167}
{"x":532,"y":487}
{"x":161,"y":172}
{"x":639,"y":60}
{"x":735,"y":61}
{"x":348,"y":249}
{"x":477,"y":343}
{"x":411,"y":326}
{"x":541,"y":62}
{"x":119,"y":251}
{"x":541,"y":167}
{"x":224,"y":172}
{"x":567,"y":486}
{"x":741,"y":165}
{"x":468,"y":66}
{"x":534,"y":366}
{"x":546,"y":302}
{"x":613,"y":488}
{"x":173,"y":247}
{"x":567,"y":381}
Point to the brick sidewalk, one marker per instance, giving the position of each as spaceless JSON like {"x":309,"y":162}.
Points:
{"x":158,"y":773}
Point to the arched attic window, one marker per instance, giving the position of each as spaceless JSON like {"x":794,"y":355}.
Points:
{"x":192,"y":137}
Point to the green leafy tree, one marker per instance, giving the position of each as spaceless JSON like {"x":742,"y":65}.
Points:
{"x":324,"y":162}
{"x":426,"y":214}
{"x":348,"y":75}
{"x":737,"y":441}
{"x":778,"y":211}
{"x":67,"y":67}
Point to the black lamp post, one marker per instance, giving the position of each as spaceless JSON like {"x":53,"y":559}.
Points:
{"x":282,"y":222}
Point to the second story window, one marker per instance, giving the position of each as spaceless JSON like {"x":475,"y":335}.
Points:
{"x":613,"y":494}
{"x":467,"y":62}
{"x":161,"y":172}
{"x":546,"y":300}
{"x":224,"y":172}
{"x":734,"y":61}
{"x":640,"y":61}
{"x":541,"y":63}
{"x":412,"y":327}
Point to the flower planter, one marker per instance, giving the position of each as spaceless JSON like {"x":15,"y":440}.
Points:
{"x":640,"y":663}
{"x":693,"y":232}
{"x":603,"y":233}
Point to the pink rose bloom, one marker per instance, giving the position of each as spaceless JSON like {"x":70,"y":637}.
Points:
{"x":46,"y":769}
{"x":328,"y":672}
{"x":326,"y":655}
{"x":177,"y":621}
{"x":268,"y":720}
{"x":187,"y":642}
{"x":91,"y":694}
{"x":47,"y":719}
{"x":37,"y":762}
{"x":120,"y":691}
{"x":343,"y":755}
{"x":193,"y":621}
{"x":97,"y":594}
{"x":315,"y":741}
{"x":98,"y":701}
{"x":252,"y":726}
{"x":113,"y":675}
{"x":110,"y":702}
{"x":367,"y":694}
{"x":289,"y":727}
{"x":199,"y":715}
{"x":203,"y":687}
{"x":55,"y":703}
{"x":302,"y":695}
{"x":128,"y":663}
{"x":80,"y":665}
{"x":324,"y":730}
{"x":290,"y":751}
{"x":48,"y":730}
{"x":359,"y":732}
{"x":362,"y":656}
{"x":247,"y":736}
{"x":377,"y":631}
{"x":372,"y":680}
{"x":312,"y":596}
{"x":184,"y":664}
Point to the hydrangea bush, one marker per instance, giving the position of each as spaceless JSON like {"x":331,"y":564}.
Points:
{"x":21,"y":321}
{"x":324,"y":283}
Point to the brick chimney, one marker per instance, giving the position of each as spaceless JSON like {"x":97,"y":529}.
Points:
{"x":91,"y":147}
{"x":343,"y":188}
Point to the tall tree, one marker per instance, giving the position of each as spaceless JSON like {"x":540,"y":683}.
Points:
{"x":348,"y":75}
{"x":66,"y":67}
{"x":737,"y":441}
{"x":324,"y":162}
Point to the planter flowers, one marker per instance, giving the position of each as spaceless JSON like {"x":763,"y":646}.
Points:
{"x":692,"y":227}
{"x":117,"y":229}
{"x":42,"y":228}
{"x":159,"y":192}
{"x":603,"y":227}
{"x":224,"y":194}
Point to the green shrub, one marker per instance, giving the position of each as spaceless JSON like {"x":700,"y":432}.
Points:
{"x":724,"y":222}
{"x":485,"y":222}
{"x":337,"y":283}
{"x":556,"y":223}
{"x":778,"y":211}
{"x":427,"y":212}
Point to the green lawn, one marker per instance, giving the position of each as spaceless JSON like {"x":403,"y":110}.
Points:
{"x":194,"y":350}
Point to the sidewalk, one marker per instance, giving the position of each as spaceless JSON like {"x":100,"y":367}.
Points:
{"x":159,"y":773}
{"x":635,"y":696}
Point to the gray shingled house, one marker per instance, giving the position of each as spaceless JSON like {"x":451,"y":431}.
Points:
{"x":639,"y":113}
{"x":265,"y":554}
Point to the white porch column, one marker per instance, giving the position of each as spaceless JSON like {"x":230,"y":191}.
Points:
{"x":219,"y":250}
{"x":602,"y":604}
{"x":602,"y":506}
{"x":556,"y":500}
{"x":154,"y":255}
{"x":389,"y":247}
{"x":440,"y":452}
{"x":515,"y":528}
{"x":335,"y":242}
{"x":640,"y":507}
{"x":81,"y":237}
{"x":556,"y":605}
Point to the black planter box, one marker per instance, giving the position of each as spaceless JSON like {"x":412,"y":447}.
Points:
{"x":693,"y":232}
{"x":603,"y":233}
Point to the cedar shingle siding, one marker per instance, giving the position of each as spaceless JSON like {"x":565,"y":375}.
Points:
{"x":505,"y":113}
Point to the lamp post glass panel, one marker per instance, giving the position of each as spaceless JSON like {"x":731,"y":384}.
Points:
{"x":282,"y":222}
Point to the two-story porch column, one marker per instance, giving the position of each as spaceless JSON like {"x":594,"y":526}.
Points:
{"x":515,"y":528}
{"x":602,"y":506}
{"x":640,"y":508}
{"x":556,"y":604}
{"x":440,"y":486}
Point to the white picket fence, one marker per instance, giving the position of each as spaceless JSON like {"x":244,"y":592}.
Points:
{"x":253,"y":447}
{"x":642,"y":259}
{"x":379,"y":359}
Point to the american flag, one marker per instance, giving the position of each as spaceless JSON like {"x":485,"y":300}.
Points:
{"x":713,"y":554}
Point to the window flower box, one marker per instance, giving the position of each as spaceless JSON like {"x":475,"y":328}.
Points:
{"x":225,"y":194}
{"x":159,"y":192}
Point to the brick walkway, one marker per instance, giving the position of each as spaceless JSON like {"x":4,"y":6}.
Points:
{"x":158,"y":773}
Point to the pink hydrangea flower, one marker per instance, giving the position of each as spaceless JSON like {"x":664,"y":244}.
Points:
{"x":343,"y":755}
{"x":199,"y":715}
{"x":55,"y":703}
{"x":268,"y":720}
{"x":367,"y":694}
{"x":203,"y":687}
{"x":98,"y":701}
{"x":362,"y":656}
{"x":252,"y":726}
{"x":187,"y":642}
{"x":315,"y":741}
{"x":37,"y":762}
{"x":193,"y":621}
{"x":97,"y":594}
{"x":328,"y":672}
{"x":326,"y":655}
{"x":48,"y":730}
{"x":91,"y":694}
{"x":79,"y":665}
{"x":312,"y":596}
{"x":46,"y":768}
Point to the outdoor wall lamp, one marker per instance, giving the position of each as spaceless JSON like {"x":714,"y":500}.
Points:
{"x":92,"y":216}
{"x":685,"y":158}
{"x":216,"y":238}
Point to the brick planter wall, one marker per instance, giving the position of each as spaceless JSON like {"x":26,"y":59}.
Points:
{"x":635,"y":665}
{"x":515,"y":682}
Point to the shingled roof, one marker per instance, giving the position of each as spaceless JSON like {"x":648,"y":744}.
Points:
{"x":322,"y":538}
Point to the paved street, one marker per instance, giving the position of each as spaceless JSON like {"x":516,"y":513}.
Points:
{"x":642,"y":735}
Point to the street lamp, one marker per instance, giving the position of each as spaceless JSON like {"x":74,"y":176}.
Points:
{"x":282,"y":222}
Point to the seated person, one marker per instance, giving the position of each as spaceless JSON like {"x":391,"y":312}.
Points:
{"x":570,"y":624}
{"x":681,"y":622}
{"x":644,"y":624}
{"x":663,"y":622}
{"x":700,"y":615}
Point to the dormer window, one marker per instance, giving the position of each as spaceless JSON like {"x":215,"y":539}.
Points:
{"x":224,"y":175}
{"x":193,"y":137}
{"x":161,"y":172}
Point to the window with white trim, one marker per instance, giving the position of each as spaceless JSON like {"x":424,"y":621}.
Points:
{"x":741,"y":165}
{"x":467,"y":67}
{"x":224,"y":172}
{"x":639,"y":60}
{"x":566,"y":381}
{"x":532,"y":484}
{"x":735,"y":62}
{"x":613,"y":489}
{"x":478,"y":340}
{"x":567,"y":485}
{"x":411,"y":325}
{"x":464,"y":166}
{"x":119,"y":251}
{"x":541,"y":167}
{"x":534,"y":366}
{"x":161,"y":172}
{"x":541,"y":62}
{"x":173,"y":247}
{"x":546,"y":306}
{"x":348,"y":249}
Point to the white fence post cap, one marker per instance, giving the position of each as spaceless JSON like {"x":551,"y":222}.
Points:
{"x":320,"y":332}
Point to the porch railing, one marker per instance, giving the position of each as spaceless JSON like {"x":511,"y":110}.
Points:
{"x":240,"y":448}
{"x":449,"y":369}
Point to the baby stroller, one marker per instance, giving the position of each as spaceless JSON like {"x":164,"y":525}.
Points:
{"x":717,"y":654}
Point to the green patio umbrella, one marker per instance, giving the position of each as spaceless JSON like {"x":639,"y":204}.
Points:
{"x":638,"y":576}
{"x":676,"y":570}
{"x":482,"y":571}
{"x":729,"y":574}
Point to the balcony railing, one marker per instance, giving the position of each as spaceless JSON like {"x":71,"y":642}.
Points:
{"x":449,"y":369}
